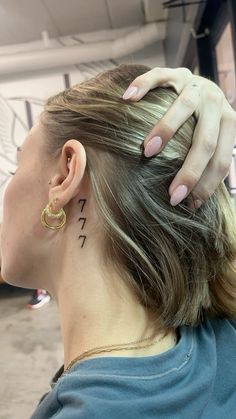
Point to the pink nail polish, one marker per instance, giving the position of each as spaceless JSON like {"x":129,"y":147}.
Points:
{"x":130,"y":92}
{"x":178,"y":195}
{"x":197,"y":203}
{"x":153,"y":146}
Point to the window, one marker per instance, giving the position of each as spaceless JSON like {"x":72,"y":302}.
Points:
{"x":225,"y":65}
{"x":226,"y":76}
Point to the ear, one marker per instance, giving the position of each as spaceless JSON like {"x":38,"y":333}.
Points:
{"x":67,"y":180}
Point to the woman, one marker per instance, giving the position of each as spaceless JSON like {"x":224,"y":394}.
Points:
{"x":145,"y":288}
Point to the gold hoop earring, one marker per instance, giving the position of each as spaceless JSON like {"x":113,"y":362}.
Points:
{"x":47,"y":211}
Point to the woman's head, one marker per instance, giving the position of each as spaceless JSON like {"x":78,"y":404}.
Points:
{"x":177,"y":262}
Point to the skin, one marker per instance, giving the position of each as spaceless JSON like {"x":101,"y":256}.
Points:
{"x":210,"y":156}
{"x":88,"y":295}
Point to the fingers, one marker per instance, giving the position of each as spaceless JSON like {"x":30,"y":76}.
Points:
{"x":219,"y":165}
{"x":175,"y":77}
{"x":210,"y":156}
{"x":182,"y":108}
{"x":204,"y":145}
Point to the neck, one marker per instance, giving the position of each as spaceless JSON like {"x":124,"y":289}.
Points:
{"x":96,"y":308}
{"x":96,"y":319}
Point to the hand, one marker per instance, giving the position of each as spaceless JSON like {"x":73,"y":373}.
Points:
{"x":209,"y":158}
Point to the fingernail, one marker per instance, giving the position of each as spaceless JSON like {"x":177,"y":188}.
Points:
{"x":130,"y":92}
{"x":197,"y":203}
{"x":178,"y":195}
{"x":153,"y":146}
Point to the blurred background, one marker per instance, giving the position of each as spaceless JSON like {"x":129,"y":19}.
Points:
{"x":47,"y":46}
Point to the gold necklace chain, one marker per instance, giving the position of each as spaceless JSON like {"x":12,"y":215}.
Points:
{"x":94,"y":351}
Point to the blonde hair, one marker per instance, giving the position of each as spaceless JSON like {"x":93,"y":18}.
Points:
{"x":178,"y":262}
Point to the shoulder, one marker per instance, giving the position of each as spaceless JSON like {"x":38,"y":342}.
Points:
{"x":84,"y":395}
{"x":223,"y":326}
{"x":224,"y":333}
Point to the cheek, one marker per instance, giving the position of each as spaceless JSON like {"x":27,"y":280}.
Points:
{"x":21,"y":227}
{"x":8,"y":202}
{"x":10,"y":225}
{"x":12,"y":199}
{"x":23,"y":201}
{"x":21,"y":206}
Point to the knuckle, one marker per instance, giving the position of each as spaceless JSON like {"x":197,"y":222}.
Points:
{"x":215,"y":96}
{"x":141,"y":80}
{"x":138,"y":81}
{"x":207,"y":193}
{"x":153,"y":72}
{"x":223,"y":166}
{"x":156,"y":71}
{"x":185,"y":71}
{"x":208,"y":145}
{"x":193,"y":177}
{"x":187,"y":101}
{"x":202,"y":192}
{"x":165,"y":129}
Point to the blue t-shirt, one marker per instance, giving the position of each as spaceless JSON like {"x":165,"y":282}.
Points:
{"x":194,"y":379}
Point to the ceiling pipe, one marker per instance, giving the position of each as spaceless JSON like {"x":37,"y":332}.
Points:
{"x":45,"y":38}
{"x":54,"y":57}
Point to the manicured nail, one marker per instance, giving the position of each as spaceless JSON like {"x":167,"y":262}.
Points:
{"x":130,"y":92}
{"x":153,"y":146}
{"x":197,"y":203}
{"x":178,"y":195}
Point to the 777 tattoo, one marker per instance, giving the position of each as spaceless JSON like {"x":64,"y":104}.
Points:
{"x":83,"y":204}
{"x":83,"y":219}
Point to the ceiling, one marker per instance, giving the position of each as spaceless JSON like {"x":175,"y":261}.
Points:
{"x":24,"y":21}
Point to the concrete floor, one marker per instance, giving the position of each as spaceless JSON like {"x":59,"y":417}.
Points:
{"x":30,"y":352}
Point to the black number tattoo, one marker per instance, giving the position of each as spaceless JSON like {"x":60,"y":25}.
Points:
{"x":83,"y":219}
{"x":84,"y":237}
{"x":84,"y":200}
